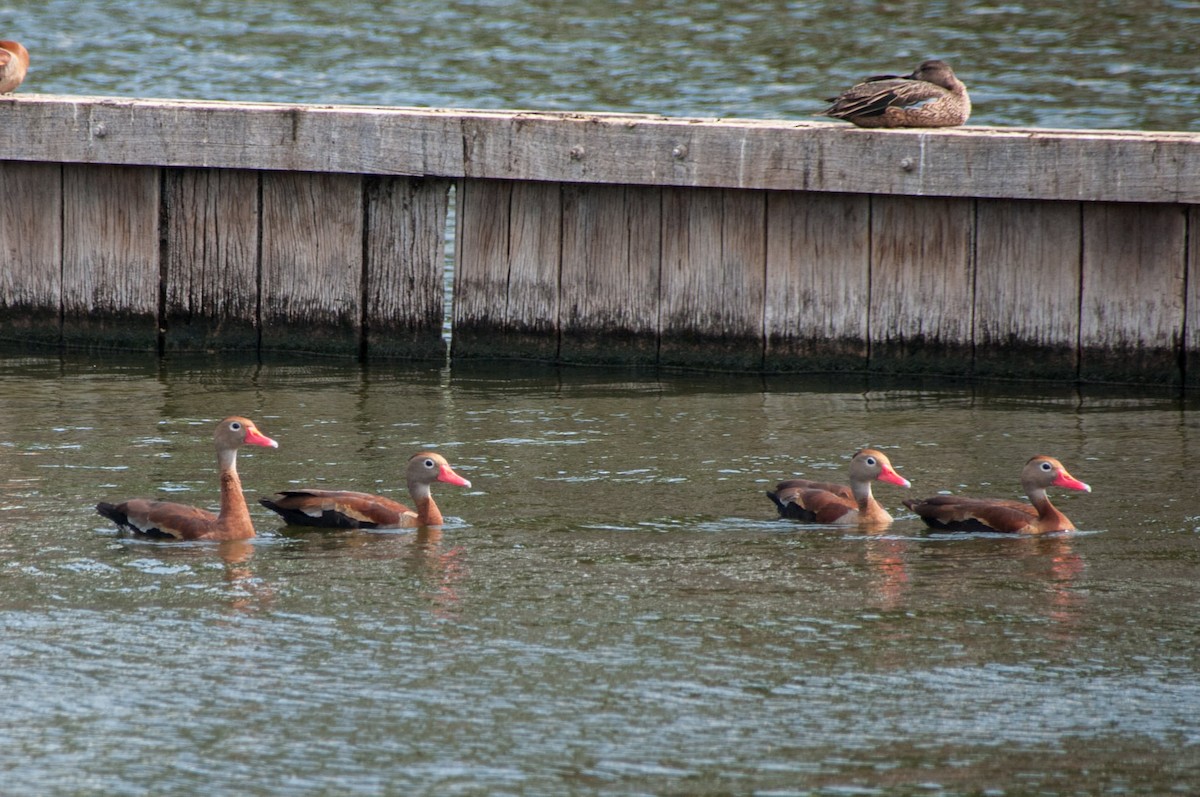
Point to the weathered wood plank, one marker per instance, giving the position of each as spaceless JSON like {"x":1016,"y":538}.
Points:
{"x":713,"y":278}
{"x":612,"y":249}
{"x":1192,"y":323}
{"x":31,"y":248}
{"x":312,"y":262}
{"x":212,"y":249}
{"x":1002,"y":163}
{"x":506,"y":278}
{"x":110,"y":290}
{"x":405,"y":268}
{"x":921,"y":285}
{"x":1027,"y":285}
{"x":1132,"y":309}
{"x":818,"y":281}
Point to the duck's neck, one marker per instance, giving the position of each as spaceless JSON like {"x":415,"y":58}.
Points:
{"x":1049,"y":518}
{"x":428,"y":513}
{"x":869,"y":510}
{"x":234,"y":515}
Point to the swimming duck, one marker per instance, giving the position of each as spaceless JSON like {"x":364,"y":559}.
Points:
{"x":343,"y":509}
{"x":182,"y":522}
{"x":822,"y":502}
{"x":929,"y":97}
{"x":957,"y":513}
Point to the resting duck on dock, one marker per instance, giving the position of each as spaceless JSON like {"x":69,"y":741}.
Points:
{"x":342,"y":509}
{"x":956,"y":513}
{"x":929,"y":97}
{"x":14,"y":63}
{"x":182,"y":522}
{"x":822,"y":502}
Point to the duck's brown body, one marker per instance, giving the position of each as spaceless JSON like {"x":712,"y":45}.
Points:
{"x":344,"y":509}
{"x":958,"y":513}
{"x":823,"y":502}
{"x":182,"y":522}
{"x":14,"y":63}
{"x":931,"y":96}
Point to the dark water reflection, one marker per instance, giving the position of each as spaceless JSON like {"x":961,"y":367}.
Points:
{"x":1063,"y":63}
{"x":611,"y":608}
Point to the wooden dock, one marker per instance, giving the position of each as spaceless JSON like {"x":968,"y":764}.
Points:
{"x":773,"y":246}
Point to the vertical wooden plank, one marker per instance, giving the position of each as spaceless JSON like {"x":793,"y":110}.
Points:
{"x":31,"y":249}
{"x":1027,"y":287}
{"x":507,"y":269}
{"x":312,"y":255}
{"x":111,"y":253}
{"x":713,"y":278}
{"x":610,"y":273}
{"x":1134,"y":261}
{"x":212,"y":224}
{"x":818,"y":281}
{"x":1192,"y":341}
{"x":921,"y":284}
{"x":482,"y":210}
{"x":405,"y":268}
{"x":535,"y":255}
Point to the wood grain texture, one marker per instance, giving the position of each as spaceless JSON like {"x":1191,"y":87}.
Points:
{"x":713,"y":278}
{"x":1002,"y":163}
{"x":31,"y":245}
{"x":506,"y":278}
{"x":921,"y":285}
{"x":1027,"y":288}
{"x":405,"y":268}
{"x":111,"y":253}
{"x":312,"y":262}
{"x":1192,"y":321}
{"x":212,"y":228}
{"x":1132,"y":309}
{"x":817,"y":282}
{"x":612,"y":249}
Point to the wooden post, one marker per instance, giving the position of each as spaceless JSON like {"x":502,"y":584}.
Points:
{"x":1134,"y":263}
{"x":405,"y":267}
{"x":212,"y":251}
{"x":921,"y":285}
{"x":1027,"y":287}
{"x":111,"y":252}
{"x":312,"y":256}
{"x":31,"y":248}
{"x":1191,"y":339}
{"x":713,"y":278}
{"x":610,"y":274}
{"x":818,"y":281}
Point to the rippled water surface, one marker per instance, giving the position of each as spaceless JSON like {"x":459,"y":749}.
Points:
{"x":612,"y":607}
{"x":1061,"y":63}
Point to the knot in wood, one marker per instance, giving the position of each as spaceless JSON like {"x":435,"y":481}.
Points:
{"x":576,"y":153}
{"x":99,"y":131}
{"x":679,"y":152}
{"x":907,"y":164}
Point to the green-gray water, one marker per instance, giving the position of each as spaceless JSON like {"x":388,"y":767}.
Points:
{"x":611,"y":609}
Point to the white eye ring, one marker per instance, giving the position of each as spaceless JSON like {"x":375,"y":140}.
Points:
{"x":235,"y":426}
{"x":429,"y":463}
{"x":1046,"y":466}
{"x":870,"y":460}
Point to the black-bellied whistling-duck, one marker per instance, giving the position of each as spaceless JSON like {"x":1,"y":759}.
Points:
{"x":956,"y":513}
{"x":341,"y":509}
{"x":166,"y":519}
{"x":822,"y":502}
{"x":14,"y":63}
{"x":931,"y":96}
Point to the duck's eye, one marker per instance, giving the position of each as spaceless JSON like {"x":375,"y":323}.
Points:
{"x":1046,"y":466}
{"x":871,"y":461}
{"x":429,"y":463}
{"x":235,"y":426}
